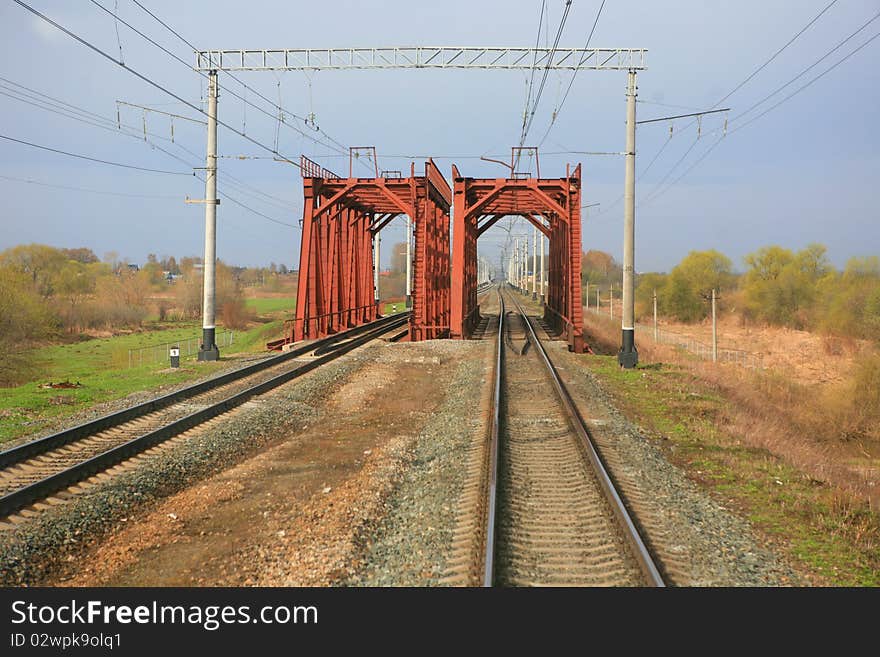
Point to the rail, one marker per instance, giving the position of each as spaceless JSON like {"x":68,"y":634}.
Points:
{"x":628,"y":526}
{"x":26,"y":495}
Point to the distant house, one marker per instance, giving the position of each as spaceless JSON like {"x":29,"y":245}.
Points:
{"x":133,"y":268}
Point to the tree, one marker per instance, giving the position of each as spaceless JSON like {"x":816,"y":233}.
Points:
{"x":24,"y":321}
{"x":40,"y":263}
{"x":75,"y":285}
{"x":648,"y":284}
{"x":849,"y":303}
{"x":398,"y":258}
{"x":692,"y":280}
{"x":780,"y":286}
{"x":82,"y":254}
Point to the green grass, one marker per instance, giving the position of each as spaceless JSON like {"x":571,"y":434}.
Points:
{"x":101,"y":366}
{"x":391,"y":308}
{"x":835,"y":537}
{"x":268,"y":306}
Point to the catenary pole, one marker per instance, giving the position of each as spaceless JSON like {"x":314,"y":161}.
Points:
{"x":628,"y":356}
{"x":208,"y":349}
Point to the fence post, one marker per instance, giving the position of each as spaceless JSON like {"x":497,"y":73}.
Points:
{"x":714,"y":331}
{"x":655,"y":314}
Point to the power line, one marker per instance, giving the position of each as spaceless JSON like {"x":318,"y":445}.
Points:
{"x":75,"y":108}
{"x":809,"y":68}
{"x":776,"y":54}
{"x":531,"y":82}
{"x":674,"y":167}
{"x":556,"y":40}
{"x":800,"y":89}
{"x":145,"y":78}
{"x":705,"y":154}
{"x":56,"y":106}
{"x":558,"y":109}
{"x":656,"y":195}
{"x":112,"y":127}
{"x":181,"y":61}
{"x":94,"y":159}
{"x":83,"y":189}
{"x":733,"y":91}
{"x":243,"y":84}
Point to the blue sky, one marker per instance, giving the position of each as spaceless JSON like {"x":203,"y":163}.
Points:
{"x":805,"y":172}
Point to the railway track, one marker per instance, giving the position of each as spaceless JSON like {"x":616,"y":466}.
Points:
{"x":549,"y":513}
{"x":34,"y":471}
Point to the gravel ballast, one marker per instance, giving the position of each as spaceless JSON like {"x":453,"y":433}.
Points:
{"x":411,"y":544}
{"x":52,"y":541}
{"x":700,"y":543}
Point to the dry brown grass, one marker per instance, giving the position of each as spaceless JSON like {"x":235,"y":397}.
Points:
{"x":831,"y":433}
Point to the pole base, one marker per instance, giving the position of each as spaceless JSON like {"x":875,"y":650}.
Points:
{"x":209,"y":353}
{"x":628,"y":356}
{"x":208,"y":349}
{"x":409,"y":301}
{"x":534,"y":296}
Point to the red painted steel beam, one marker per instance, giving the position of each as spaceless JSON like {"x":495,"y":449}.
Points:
{"x":335,"y":290}
{"x":557,"y":200}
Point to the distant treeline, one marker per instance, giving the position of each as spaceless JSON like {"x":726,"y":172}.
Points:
{"x":47,"y":292}
{"x":780,"y":287}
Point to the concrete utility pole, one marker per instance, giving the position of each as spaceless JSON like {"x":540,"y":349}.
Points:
{"x":611,"y":300}
{"x":628,"y":356}
{"x":534,"y":263}
{"x":208,"y":349}
{"x":597,"y":299}
{"x":409,"y":262}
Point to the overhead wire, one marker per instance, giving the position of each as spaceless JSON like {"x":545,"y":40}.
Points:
{"x":776,"y":54}
{"x":95,"y":159}
{"x":559,"y":31}
{"x":558,"y":109}
{"x":69,"y":110}
{"x":656,"y":193}
{"x":181,"y":61}
{"x":237,"y":79}
{"x":84,"y":189}
{"x":147,"y":79}
{"x":809,"y":68}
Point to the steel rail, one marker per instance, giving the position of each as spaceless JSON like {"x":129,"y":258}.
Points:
{"x":41,"y":445}
{"x":41,"y":489}
{"x":494,"y":433}
{"x":633,"y":536}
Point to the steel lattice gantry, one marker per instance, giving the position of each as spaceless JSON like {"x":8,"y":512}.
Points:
{"x":341,"y":216}
{"x":551,"y":204}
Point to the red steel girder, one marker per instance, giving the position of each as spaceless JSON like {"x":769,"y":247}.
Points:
{"x":340,"y":219}
{"x":551,"y":204}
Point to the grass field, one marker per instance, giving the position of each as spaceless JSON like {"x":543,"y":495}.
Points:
{"x":392,"y":307}
{"x":270,"y":305}
{"x":101,"y":367}
{"x":826,"y":529}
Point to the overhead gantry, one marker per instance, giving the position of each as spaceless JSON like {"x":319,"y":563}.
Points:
{"x":341,"y":219}
{"x":553,"y":205}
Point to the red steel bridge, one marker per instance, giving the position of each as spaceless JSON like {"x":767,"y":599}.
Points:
{"x":342,"y":217}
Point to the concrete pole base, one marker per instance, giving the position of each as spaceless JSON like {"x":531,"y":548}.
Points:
{"x":628,"y":356}
{"x":211,"y":353}
{"x":208,"y":349}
